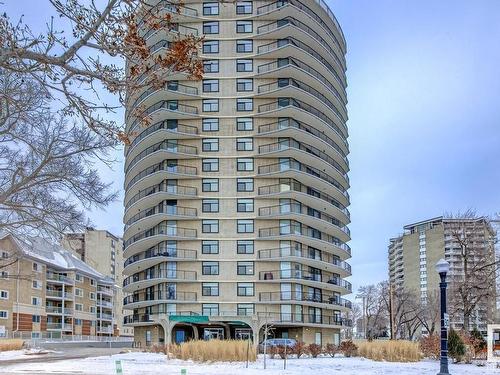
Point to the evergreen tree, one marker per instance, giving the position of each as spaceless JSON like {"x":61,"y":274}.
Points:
{"x":456,"y":347}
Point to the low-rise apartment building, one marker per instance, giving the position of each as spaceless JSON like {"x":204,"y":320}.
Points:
{"x":103,"y":251}
{"x":45,"y":291}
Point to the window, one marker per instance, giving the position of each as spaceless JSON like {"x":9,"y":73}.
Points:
{"x":92,"y":296}
{"x":36,"y":301}
{"x":4,"y":314}
{"x":79,"y":278}
{"x":78,"y":322}
{"x":92,"y":309}
{"x":244,"y":164}
{"x":210,"y":268}
{"x":244,"y":26}
{"x":211,"y":27}
{"x":92,"y":282}
{"x":36,"y":318}
{"x":4,"y":294}
{"x":78,"y":292}
{"x":244,"y":184}
{"x":211,"y":66}
{"x":244,"y":46}
{"x":210,"y":85}
{"x":210,"y":289}
{"x":210,"y":9}
{"x":244,"y":84}
{"x":210,"y":165}
{"x":245,"y":309}
{"x":36,"y":284}
{"x":4,"y":274}
{"x":210,"y":144}
{"x":245,"y":226}
{"x":210,"y":205}
{"x":243,"y":124}
{"x":37,"y":267}
{"x":245,"y":268}
{"x":244,"y":144}
{"x":35,"y":335}
{"x":244,"y":247}
{"x":244,"y":7}
{"x":245,"y":289}
{"x":5,"y":254}
{"x":210,"y":226}
{"x":210,"y":105}
{"x":78,"y":307}
{"x":210,"y":125}
{"x":244,"y":65}
{"x":210,"y":185}
{"x":244,"y":104}
{"x":209,"y":309}
{"x":245,"y":205}
{"x":211,"y":46}
{"x":210,"y":247}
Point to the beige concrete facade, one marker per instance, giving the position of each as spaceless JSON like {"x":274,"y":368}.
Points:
{"x":103,"y":251}
{"x":47,"y":292}
{"x":236,"y":194}
{"x":413,"y":256}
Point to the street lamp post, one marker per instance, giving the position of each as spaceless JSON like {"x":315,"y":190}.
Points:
{"x":442,"y":267}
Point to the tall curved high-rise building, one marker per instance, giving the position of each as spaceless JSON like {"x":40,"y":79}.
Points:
{"x":236,"y":194}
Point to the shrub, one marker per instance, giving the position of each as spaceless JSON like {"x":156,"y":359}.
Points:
{"x":299,"y":349}
{"x":331,"y":349}
{"x":456,"y":346}
{"x":314,"y":350}
{"x":11,"y":344}
{"x":283,"y":351}
{"x":390,"y":350}
{"x":479,"y":344}
{"x":214,"y":350}
{"x":348,"y":348}
{"x":272,"y":351}
{"x":431,"y":346}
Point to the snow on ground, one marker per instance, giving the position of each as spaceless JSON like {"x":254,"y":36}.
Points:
{"x":24,"y":353}
{"x":149,"y":363}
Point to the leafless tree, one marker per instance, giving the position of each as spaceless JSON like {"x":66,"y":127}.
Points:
{"x":47,"y":172}
{"x":473,"y":265}
{"x":375,"y":311}
{"x":429,"y":315}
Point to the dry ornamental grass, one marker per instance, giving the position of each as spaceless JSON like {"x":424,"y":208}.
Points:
{"x":10,"y":344}
{"x":214,"y":351}
{"x":390,"y":350}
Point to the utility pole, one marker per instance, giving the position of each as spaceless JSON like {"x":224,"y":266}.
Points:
{"x":391,"y":311}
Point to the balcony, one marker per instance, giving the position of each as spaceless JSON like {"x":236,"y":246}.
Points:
{"x":103,"y":303}
{"x":58,"y":294}
{"x":170,"y":28}
{"x":102,"y":316}
{"x":142,"y":299}
{"x":52,"y":310}
{"x":291,"y":168}
{"x":312,"y":154}
{"x":171,"y":192}
{"x":306,"y":235}
{"x":308,"y":277}
{"x":163,"y":230}
{"x":290,"y":188}
{"x":103,"y":290}
{"x":307,"y":114}
{"x":294,"y":318}
{"x":324,"y":260}
{"x":57,"y":278}
{"x":329,"y":299}
{"x":150,"y":258}
{"x":59,"y":327}
{"x":105,"y":330}
{"x":142,"y":280}
{"x":158,"y":213}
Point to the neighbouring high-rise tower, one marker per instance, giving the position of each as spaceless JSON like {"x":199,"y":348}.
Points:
{"x":236,"y":194}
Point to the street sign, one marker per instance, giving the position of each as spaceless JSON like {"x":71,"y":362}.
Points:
{"x":184,"y":371}
{"x":118,"y":365}
{"x":446,"y":321}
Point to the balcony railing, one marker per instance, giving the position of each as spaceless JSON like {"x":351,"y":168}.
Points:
{"x":159,"y":45}
{"x":305,"y":297}
{"x":58,"y":310}
{"x":180,"y":190}
{"x":104,"y":316}
{"x":282,"y":103}
{"x":298,"y":229}
{"x":294,"y":165}
{"x":163,"y":252}
{"x":290,"y":143}
{"x":170,"y":86}
{"x":58,"y":294}
{"x":293,"y":274}
{"x":165,"y":124}
{"x":171,"y":28}
{"x":293,"y":185}
{"x":162,"y":274}
{"x":305,"y":318}
{"x":104,"y":303}
{"x":163,"y":229}
{"x":162,"y":208}
{"x":59,"y":278}
{"x":60,"y":326}
{"x":278,"y":253}
{"x":166,"y":145}
{"x":295,"y":207}
{"x":159,"y":295}
{"x":166,"y":167}
{"x":159,"y":309}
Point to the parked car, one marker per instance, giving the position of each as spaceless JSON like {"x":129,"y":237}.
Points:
{"x":289,"y":343}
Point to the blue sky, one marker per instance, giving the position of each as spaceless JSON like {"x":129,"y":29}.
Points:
{"x":424,"y":108}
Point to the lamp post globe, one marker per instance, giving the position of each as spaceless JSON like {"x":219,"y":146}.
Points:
{"x":443,"y":267}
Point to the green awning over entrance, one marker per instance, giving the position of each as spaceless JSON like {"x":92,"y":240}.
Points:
{"x":189,"y":318}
